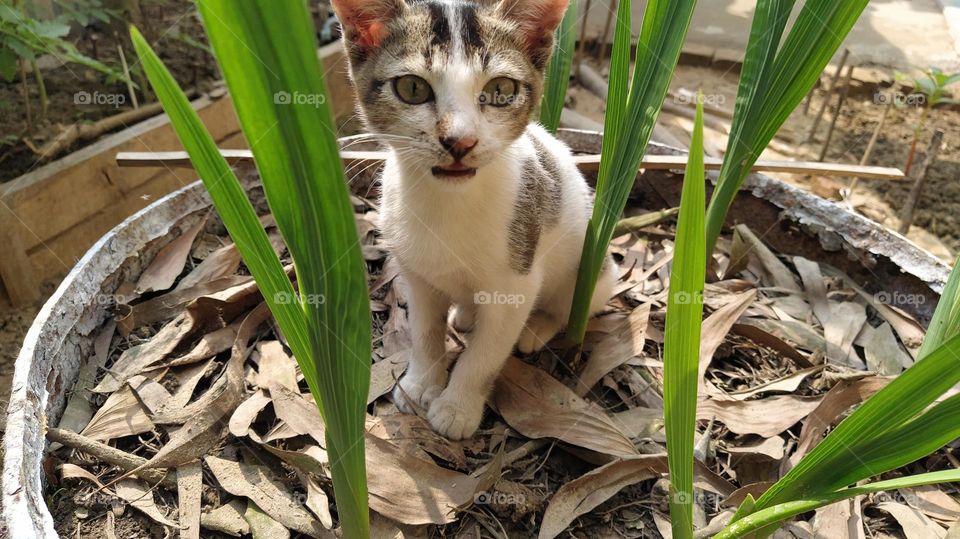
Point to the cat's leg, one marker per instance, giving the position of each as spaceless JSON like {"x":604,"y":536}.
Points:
{"x":553,"y":311}
{"x":464,"y":316}
{"x":457,"y":412}
{"x":426,"y":374}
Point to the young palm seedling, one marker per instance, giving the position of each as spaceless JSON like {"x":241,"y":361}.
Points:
{"x":267,"y":51}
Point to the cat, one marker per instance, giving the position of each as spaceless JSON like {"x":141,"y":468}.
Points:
{"x":481,"y":207}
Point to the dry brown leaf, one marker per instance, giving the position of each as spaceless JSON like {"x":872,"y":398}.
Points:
{"x":318,"y":502}
{"x":765,"y":417}
{"x":914,"y":523}
{"x":882,"y":351}
{"x":385,"y":373}
{"x":221,"y":263}
{"x":396,"y":330}
{"x":764,"y":338}
{"x":121,"y":415}
{"x":275,"y":367}
{"x":838,"y":400}
{"x":312,"y":458}
{"x":189,"y":492}
{"x":771,"y":448}
{"x":639,"y":275}
{"x":259,"y":485}
{"x":247,"y":412}
{"x":538,"y":406}
{"x":787,"y":384}
{"x":413,"y":491}
{"x":791,"y":331}
{"x":227,"y":518}
{"x":79,"y":411}
{"x":262,"y":526}
{"x":188,"y":378}
{"x":718,"y":325}
{"x":842,"y":519}
{"x":588,"y":491}
{"x":933,"y":502}
{"x":135,"y":360}
{"x":72,"y":471}
{"x":299,"y":412}
{"x":411,"y":432}
{"x":774,"y":272}
{"x":219,"y":340}
{"x":140,"y":497}
{"x":169,"y":262}
{"x":382,"y":527}
{"x":623,"y":343}
{"x":173,"y":303}
{"x":641,"y":422}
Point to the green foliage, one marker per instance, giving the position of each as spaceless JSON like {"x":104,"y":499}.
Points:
{"x":267,"y":49}
{"x":23,"y":37}
{"x":558,"y":71}
{"x":632,"y":110}
{"x":84,"y":12}
{"x":934,"y":87}
{"x":681,"y":347}
{"x":777,"y":74}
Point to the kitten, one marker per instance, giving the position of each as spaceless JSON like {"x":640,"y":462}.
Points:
{"x":481,"y":208}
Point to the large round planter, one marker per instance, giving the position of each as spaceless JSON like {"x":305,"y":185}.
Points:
{"x":793,"y":222}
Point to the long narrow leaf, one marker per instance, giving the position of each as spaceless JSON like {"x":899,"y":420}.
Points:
{"x":268,"y":53}
{"x":558,"y":71}
{"x":896,"y":404}
{"x":665,"y":25}
{"x":946,"y":319}
{"x":681,"y":348}
{"x":776,"y":84}
{"x":778,"y":513}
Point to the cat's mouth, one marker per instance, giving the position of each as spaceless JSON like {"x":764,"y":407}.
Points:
{"x":455,"y":171}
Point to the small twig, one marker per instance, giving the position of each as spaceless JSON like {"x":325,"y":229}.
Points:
{"x":126,"y":74}
{"x":826,"y":99}
{"x":906,"y":217}
{"x":110,"y":455}
{"x":836,"y":113}
{"x":611,"y":9}
{"x":870,"y":147}
{"x":583,"y":32}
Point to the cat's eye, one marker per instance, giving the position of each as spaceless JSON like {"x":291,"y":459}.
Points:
{"x":500,"y":92}
{"x":412,"y":89}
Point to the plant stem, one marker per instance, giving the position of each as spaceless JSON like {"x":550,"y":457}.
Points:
{"x":906,"y":217}
{"x":870,"y":146}
{"x":41,"y":88}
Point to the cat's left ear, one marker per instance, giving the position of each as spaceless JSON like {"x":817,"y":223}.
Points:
{"x":365,"y":22}
{"x":537,"y":19}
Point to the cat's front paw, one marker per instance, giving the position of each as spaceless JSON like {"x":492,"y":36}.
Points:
{"x":413,"y":393}
{"x":455,"y":416}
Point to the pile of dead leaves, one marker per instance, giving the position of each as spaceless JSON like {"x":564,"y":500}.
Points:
{"x":192,"y":417}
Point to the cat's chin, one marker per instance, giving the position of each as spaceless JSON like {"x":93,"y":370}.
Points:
{"x":455,"y":173}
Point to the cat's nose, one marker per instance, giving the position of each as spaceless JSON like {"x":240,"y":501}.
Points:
{"x":458,"y":147}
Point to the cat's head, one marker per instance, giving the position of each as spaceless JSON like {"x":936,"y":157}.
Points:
{"x":449,"y":83}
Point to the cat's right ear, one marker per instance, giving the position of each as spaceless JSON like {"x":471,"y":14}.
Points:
{"x":364,"y":22}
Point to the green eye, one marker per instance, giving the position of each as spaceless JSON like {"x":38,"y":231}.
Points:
{"x":500,"y":92}
{"x":412,"y":89}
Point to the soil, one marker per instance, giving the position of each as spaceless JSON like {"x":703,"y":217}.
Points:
{"x":169,"y":25}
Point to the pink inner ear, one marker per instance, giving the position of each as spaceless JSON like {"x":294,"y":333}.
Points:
{"x":369,"y":26}
{"x":541,"y":17}
{"x":371,"y":33}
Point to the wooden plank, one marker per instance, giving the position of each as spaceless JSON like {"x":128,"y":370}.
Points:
{"x":584,"y":162}
{"x":16,"y":270}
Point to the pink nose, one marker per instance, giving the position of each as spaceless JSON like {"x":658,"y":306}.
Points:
{"x":458,"y":147}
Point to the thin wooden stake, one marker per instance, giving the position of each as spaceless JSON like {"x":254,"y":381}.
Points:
{"x":583,"y":32}
{"x":606,"y":30}
{"x":126,"y":74}
{"x":906,"y":217}
{"x":826,"y":99}
{"x":836,"y":113}
{"x":870,"y":147}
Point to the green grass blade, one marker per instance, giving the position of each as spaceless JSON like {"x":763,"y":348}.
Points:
{"x":946,"y":319}
{"x":228,"y":196}
{"x":778,"y":513}
{"x":681,"y":349}
{"x":665,"y":25}
{"x":558,"y":71}
{"x":619,"y":86}
{"x":782,"y":81}
{"x":834,"y":462}
{"x":268,"y":53}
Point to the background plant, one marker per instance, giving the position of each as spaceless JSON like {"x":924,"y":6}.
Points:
{"x":558,"y":70}
{"x":265,"y":48}
{"x":933,"y":88}
{"x":633,"y":105}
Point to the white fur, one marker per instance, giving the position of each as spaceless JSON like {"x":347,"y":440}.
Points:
{"x":451,"y":238}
